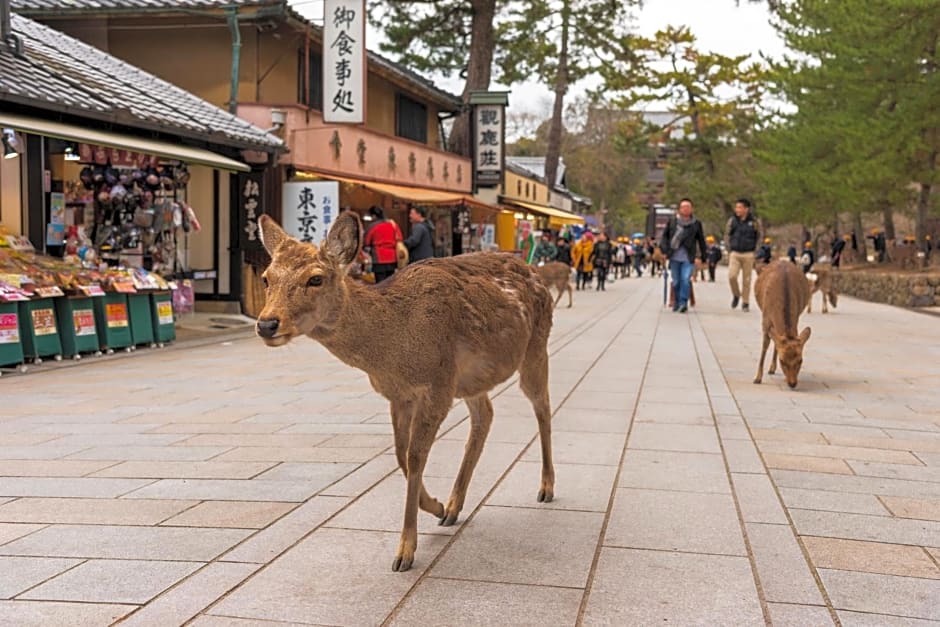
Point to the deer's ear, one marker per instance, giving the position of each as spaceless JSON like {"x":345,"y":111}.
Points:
{"x":271,"y":234}
{"x":804,"y":335}
{"x":345,"y":238}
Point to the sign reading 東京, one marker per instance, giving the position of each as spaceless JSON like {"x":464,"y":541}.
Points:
{"x":309,"y":209}
{"x":344,"y":61}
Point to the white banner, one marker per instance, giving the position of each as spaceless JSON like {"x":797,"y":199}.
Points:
{"x":344,"y":61}
{"x":309,"y":209}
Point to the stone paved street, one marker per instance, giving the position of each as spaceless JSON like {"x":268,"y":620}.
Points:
{"x":231,"y":484}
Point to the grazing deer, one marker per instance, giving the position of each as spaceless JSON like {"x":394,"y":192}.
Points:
{"x":558,"y":275}
{"x":468,"y":323}
{"x":821,"y":280}
{"x":782,"y":293}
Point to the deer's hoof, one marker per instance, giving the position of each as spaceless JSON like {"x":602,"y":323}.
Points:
{"x":545,"y":496}
{"x":449,"y":519}
{"x":757,"y":381}
{"x":402,"y":564}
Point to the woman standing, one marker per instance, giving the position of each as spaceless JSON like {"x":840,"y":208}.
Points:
{"x":601,"y":257}
{"x":581,"y":259}
{"x":381,"y":240}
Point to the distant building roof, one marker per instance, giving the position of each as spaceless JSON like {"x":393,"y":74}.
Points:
{"x":536,"y":166}
{"x":129,"y":8}
{"x":666,"y":120}
{"x":60,"y":73}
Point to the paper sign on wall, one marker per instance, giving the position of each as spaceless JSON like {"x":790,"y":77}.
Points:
{"x":44,"y":322}
{"x":309,"y":208}
{"x":116,"y":315}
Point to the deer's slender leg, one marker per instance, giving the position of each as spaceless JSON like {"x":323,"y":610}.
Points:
{"x":561,"y":293}
{"x":825,"y":308}
{"x":429,"y":414}
{"x":568,"y":287}
{"x":763,"y":354}
{"x":402,"y":414}
{"x":481,"y":417}
{"x":533,"y":379}
{"x":773,"y":361}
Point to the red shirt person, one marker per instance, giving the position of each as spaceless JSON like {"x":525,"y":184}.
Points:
{"x":381,"y":240}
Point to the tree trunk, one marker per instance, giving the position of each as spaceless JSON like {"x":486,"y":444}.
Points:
{"x":923,"y":205}
{"x":553,"y":154}
{"x":888,"y":215}
{"x":479,"y":70}
{"x":860,"y":237}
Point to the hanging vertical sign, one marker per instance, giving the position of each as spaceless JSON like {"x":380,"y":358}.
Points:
{"x":250,"y":189}
{"x":344,"y":61}
{"x":309,"y":208}
{"x":489,"y":132}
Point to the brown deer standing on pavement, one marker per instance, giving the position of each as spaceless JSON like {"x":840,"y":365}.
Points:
{"x":821,"y":280}
{"x":782,"y":294}
{"x":467,"y":324}
{"x":558,"y":275}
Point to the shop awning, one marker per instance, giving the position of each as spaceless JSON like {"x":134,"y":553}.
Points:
{"x":556,"y":215}
{"x":167,"y":150}
{"x":419,"y":195}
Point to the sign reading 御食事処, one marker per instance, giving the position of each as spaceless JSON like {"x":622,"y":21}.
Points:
{"x":344,"y":61}
{"x":309,"y":208}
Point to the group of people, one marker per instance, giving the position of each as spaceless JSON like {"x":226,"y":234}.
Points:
{"x":384,"y":241}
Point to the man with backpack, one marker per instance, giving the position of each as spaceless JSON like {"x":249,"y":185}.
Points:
{"x":742,"y":235}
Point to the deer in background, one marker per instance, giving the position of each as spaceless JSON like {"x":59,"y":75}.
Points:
{"x":467,"y":324}
{"x":821,"y":280}
{"x":782,"y":294}
{"x":558,"y":275}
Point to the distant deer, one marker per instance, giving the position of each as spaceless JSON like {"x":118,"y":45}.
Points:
{"x":782,"y":294}
{"x":821,"y":280}
{"x":558,"y":275}
{"x":467,"y":324}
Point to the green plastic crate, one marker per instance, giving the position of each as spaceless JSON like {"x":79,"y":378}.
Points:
{"x":113,"y":321}
{"x":141,"y":318}
{"x":77,"y":328}
{"x":40,"y":332}
{"x":164,"y":325}
{"x":11,"y":345}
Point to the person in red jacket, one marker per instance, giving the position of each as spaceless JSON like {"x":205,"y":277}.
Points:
{"x":380,"y":240}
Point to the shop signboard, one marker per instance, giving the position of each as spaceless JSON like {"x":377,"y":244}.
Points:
{"x":250,"y":188}
{"x":309,"y":208}
{"x":44,"y":321}
{"x":49,"y":292}
{"x":489,"y":136}
{"x":91,"y":290}
{"x":164,"y":312}
{"x":90,"y":153}
{"x":116,"y":315}
{"x":84,"y":322}
{"x":344,"y":61}
{"x":9,"y":329}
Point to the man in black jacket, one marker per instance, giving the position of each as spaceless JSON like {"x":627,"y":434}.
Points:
{"x":420,"y":242}
{"x":742,"y":236}
{"x":682,"y":234}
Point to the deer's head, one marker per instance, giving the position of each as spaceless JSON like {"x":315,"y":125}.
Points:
{"x":305,"y":290}
{"x":790,"y":353}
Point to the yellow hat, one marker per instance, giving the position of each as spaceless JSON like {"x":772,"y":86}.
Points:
{"x":766,"y":240}
{"x":808,"y":245}
{"x":908,"y":238}
{"x":874,"y":231}
{"x":846,"y":237}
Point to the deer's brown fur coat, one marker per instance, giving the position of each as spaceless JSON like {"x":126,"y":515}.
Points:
{"x":782,"y":294}
{"x":558,"y":275}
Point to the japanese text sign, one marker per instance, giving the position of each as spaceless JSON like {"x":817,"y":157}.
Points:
{"x":344,"y":61}
{"x":309,"y":209}
{"x":488,"y":143}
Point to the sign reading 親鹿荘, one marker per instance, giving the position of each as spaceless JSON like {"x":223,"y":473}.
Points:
{"x":488,"y":143}
{"x":9,"y":329}
{"x":84,"y":322}
{"x":344,"y":61}
{"x":309,"y":208}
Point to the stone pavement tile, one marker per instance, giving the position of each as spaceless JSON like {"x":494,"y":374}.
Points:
{"x":185,"y":470}
{"x":859,"y":619}
{"x":839,"y":452}
{"x":784,"y":575}
{"x":896,"y":471}
{"x":871,"y":557}
{"x":79,"y":511}
{"x":213,"y":427}
{"x":931,"y":459}
{"x":256,"y":439}
{"x":692,"y":394}
{"x":45,"y":613}
{"x":69,"y":487}
{"x":577,"y":487}
{"x":231,"y":514}
{"x":300,"y":454}
{"x":669,"y":437}
{"x":676,"y":588}
{"x":314,"y":417}
{"x":113,"y":581}
{"x":330,"y":429}
{"x":228,"y":490}
{"x":722,"y":404}
{"x":524,"y":546}
{"x":39,"y":452}
{"x":789,"y":615}
{"x":205,"y":620}
{"x":333,"y":577}
{"x":12,"y":531}
{"x":191,"y":596}
{"x":589,"y":420}
{"x":862,"y":527}
{"x":444,"y":459}
{"x":882,"y":594}
{"x":672,"y":470}
{"x":325,"y":472}
{"x":610,"y":401}
{"x":675,"y":521}
{"x":809,"y":464}
{"x":364,"y":477}
{"x":742,"y":456}
{"x":833,"y":501}
{"x":113,"y":440}
{"x":475,"y":603}
{"x":512,"y":429}
{"x":788,"y":436}
{"x":900,"y":443}
{"x":732,"y":428}
{"x":21,"y":573}
{"x":757,"y":499}
{"x":269,"y":543}
{"x":26,"y":439}
{"x":864,"y":485}
{"x":568,"y":447}
{"x":113,"y":542}
{"x":50,"y":468}
{"x":923,"y":509}
{"x":360,"y":440}
{"x":151,"y":453}
{"x":671,"y":413}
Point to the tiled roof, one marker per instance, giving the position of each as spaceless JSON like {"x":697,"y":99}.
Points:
{"x":42,"y":6}
{"x":61,"y":73}
{"x":536,"y":166}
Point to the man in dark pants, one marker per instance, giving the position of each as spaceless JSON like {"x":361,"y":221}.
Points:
{"x":420,"y":242}
{"x":682,"y":234}
{"x":742,"y":236}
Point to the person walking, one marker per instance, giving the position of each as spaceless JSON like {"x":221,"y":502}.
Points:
{"x":601,"y":258}
{"x":791,"y":253}
{"x":808,"y":258}
{"x":837,"y":247}
{"x":381,"y":241}
{"x":545,"y":251}
{"x":420,"y":242}
{"x":563,"y":251}
{"x":681,"y":236}
{"x":765,"y":252}
{"x":742,"y":235}
{"x":639,"y":254}
{"x":581,"y":255}
{"x":712,"y":256}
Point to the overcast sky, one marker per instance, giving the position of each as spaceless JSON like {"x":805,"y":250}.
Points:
{"x":719,"y":25}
